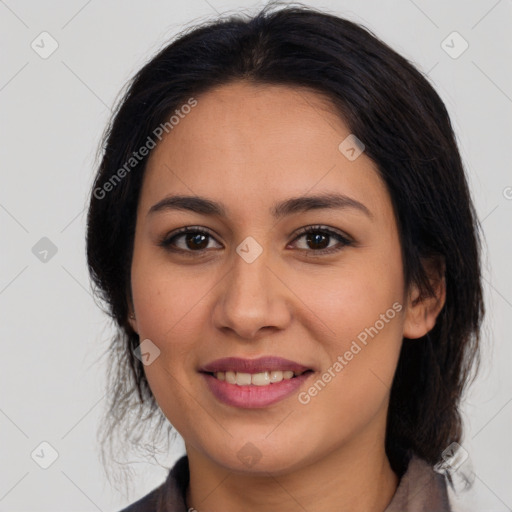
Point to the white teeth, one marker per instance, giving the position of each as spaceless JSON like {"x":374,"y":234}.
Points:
{"x":256,"y":379}
{"x":243,"y":379}
{"x":260,"y":379}
{"x":276,"y":376}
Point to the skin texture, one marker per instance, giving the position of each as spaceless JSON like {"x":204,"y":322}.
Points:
{"x":250,"y":147}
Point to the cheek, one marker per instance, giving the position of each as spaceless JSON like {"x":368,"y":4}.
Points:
{"x":171,"y":315}
{"x":351,"y":298}
{"x":360,"y":307}
{"x":354,"y":383}
{"x":167,"y":298}
{"x":173,"y":322}
{"x":166,"y":309}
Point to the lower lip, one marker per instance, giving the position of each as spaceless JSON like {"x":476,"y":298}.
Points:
{"x":251,"y":397}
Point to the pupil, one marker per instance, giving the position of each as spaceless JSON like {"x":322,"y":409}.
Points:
{"x":316,"y":238}
{"x":194,"y":238}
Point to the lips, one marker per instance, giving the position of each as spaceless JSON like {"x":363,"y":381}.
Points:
{"x":242,"y":383}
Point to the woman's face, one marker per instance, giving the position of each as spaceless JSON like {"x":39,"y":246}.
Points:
{"x":252,"y":285}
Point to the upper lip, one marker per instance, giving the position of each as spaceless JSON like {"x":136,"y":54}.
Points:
{"x":262,"y":364}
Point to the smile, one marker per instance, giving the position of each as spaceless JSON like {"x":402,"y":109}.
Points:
{"x":256,"y":379}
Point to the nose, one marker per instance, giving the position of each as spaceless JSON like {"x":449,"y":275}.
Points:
{"x":251,"y":299}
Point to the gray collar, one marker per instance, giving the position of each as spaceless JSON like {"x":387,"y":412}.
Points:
{"x":421,"y":489}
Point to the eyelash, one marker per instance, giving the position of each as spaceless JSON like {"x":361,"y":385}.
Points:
{"x":167,"y":241}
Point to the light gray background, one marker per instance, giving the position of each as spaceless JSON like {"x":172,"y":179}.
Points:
{"x":53,"y":112}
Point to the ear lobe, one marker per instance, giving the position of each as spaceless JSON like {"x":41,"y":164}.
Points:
{"x":133,"y":325}
{"x":422,"y":312}
{"x":132,"y":321}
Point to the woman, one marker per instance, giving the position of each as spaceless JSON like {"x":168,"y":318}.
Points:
{"x":282,"y":230}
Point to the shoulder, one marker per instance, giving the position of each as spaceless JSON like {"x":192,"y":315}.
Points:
{"x":420,"y":488}
{"x":167,"y":497}
{"x":147,"y":503}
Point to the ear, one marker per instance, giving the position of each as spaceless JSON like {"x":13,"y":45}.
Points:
{"x":131,"y":313}
{"x":132,"y":320}
{"x":422,"y":312}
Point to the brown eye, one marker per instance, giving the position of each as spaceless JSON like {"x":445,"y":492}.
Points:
{"x":319,"y":238}
{"x":196,"y":240}
{"x":187,"y":240}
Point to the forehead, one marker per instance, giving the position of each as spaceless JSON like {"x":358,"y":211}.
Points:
{"x":248,"y":143}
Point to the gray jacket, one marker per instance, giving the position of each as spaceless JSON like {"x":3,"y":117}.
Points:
{"x":421,"y":489}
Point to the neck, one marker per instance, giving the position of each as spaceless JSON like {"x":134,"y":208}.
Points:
{"x":355,"y":478}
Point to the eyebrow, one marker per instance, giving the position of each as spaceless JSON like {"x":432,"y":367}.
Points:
{"x":288,"y":207}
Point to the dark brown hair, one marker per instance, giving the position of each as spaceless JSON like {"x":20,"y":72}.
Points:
{"x":392,"y":108}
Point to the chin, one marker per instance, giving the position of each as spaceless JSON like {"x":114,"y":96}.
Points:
{"x":261,"y":456}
